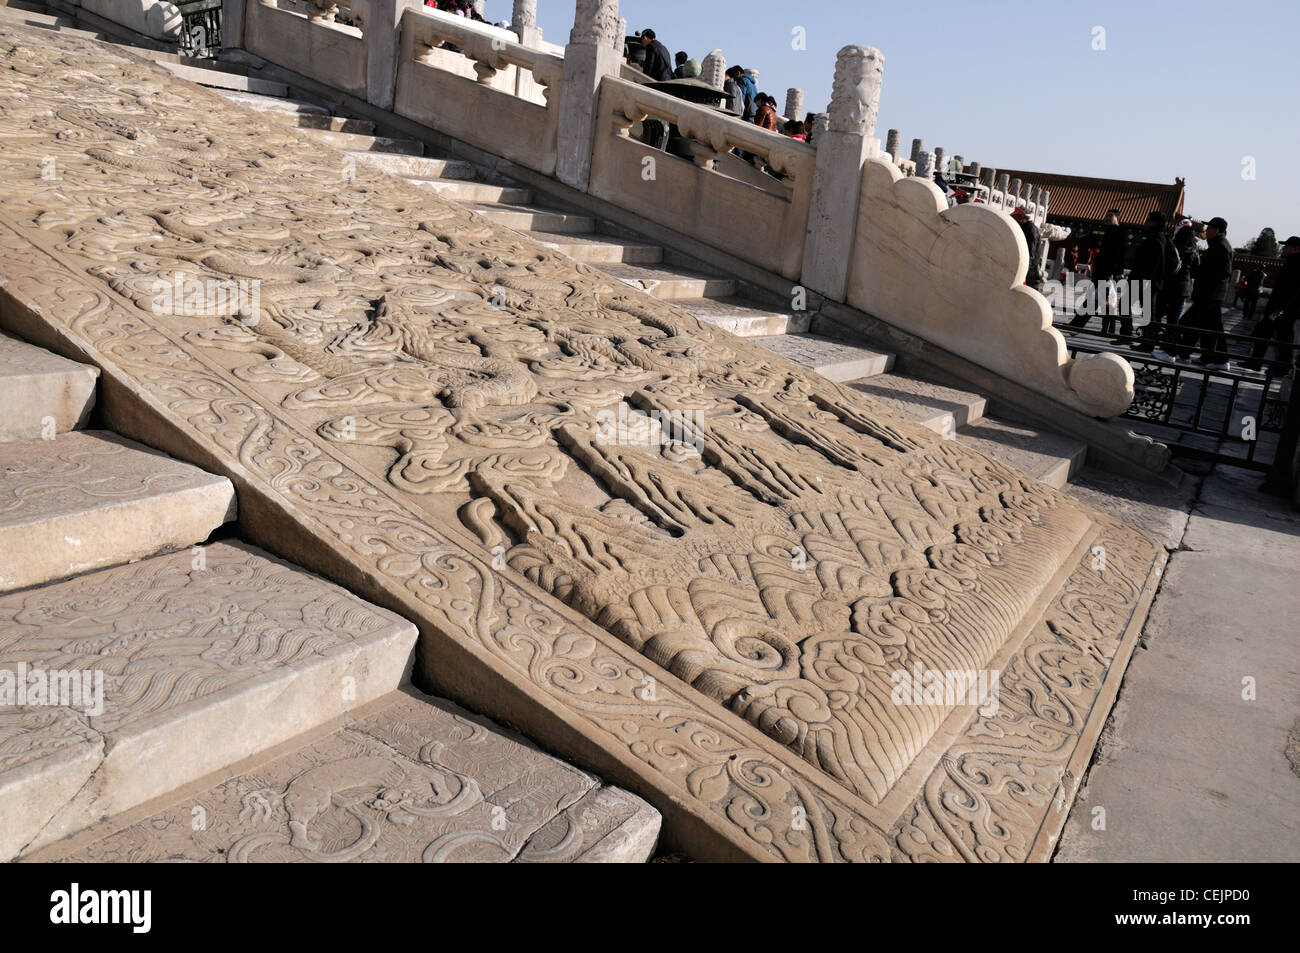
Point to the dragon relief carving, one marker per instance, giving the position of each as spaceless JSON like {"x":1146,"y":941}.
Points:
{"x":802,"y":544}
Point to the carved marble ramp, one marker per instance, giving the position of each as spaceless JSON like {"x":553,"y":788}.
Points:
{"x":200,"y":659}
{"x":666,"y":552}
{"x":409,"y":778}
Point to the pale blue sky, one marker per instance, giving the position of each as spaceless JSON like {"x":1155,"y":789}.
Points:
{"x":1182,"y":89}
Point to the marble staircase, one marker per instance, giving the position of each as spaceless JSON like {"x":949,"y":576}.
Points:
{"x":152,"y":666}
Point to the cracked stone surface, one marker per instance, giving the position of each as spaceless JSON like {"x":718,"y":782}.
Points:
{"x":410,"y":778}
{"x":205,"y":658}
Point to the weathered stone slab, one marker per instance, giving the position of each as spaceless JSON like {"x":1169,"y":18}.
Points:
{"x":195,"y":661}
{"x":40,"y":391}
{"x":940,"y":408}
{"x":433,"y":410}
{"x":1047,"y":457}
{"x":1155,"y":508}
{"x":671,"y":283}
{"x":90,"y":499}
{"x":833,"y":360}
{"x":410,"y":778}
{"x":740,"y":317}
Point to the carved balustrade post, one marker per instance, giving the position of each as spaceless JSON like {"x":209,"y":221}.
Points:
{"x":382,"y":34}
{"x":233,"y":13}
{"x":523,"y":21}
{"x":793,"y":103}
{"x":842,"y":151}
{"x":590,"y":56}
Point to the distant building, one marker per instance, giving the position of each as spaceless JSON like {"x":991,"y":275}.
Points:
{"x":1081,"y":202}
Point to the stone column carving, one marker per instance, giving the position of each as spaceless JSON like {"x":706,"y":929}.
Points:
{"x":382,"y":37}
{"x":1044,"y":201}
{"x":842,"y":151}
{"x":523,"y":21}
{"x":232,"y":24}
{"x":925,"y":166}
{"x":621,"y":37}
{"x":940,"y":157}
{"x":589,"y":57}
{"x":1004,"y":186}
{"x":957,"y":164}
{"x":793,"y":103}
{"x":893,"y":139}
{"x":918,"y":146}
{"x":821,"y":122}
{"x":713,"y":69}
{"x":976,"y":170}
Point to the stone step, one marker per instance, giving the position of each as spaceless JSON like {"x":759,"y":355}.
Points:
{"x":361,"y":127}
{"x":201,"y":659}
{"x":352,"y":142}
{"x":26,"y":15}
{"x":473,"y":193}
{"x":62,"y":27}
{"x":746,"y":319}
{"x":42,"y":394}
{"x":274,"y":104}
{"x":89,"y":499}
{"x":671,"y":283}
{"x":408,"y":778}
{"x":224,"y":79}
{"x":601,"y":249}
{"x":943,"y":409}
{"x":1047,"y":457}
{"x":830,"y":358}
{"x":528,"y":218}
{"x":165,"y":59}
{"x":418,"y":167}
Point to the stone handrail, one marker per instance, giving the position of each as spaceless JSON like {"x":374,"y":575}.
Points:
{"x":770,"y":218}
{"x":492,"y":91}
{"x":716,"y":133}
{"x":490,"y":48}
{"x":955,"y":277}
{"x":307,"y":43}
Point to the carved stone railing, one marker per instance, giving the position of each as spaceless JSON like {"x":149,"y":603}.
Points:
{"x":834,"y":220}
{"x":713,"y":196}
{"x":490,"y":91}
{"x":310,"y":44}
{"x":955,"y":277}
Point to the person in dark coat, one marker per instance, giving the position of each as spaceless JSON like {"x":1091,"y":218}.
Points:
{"x":1033,"y":276}
{"x":1203,"y":321}
{"x":1156,"y":259}
{"x":1278,"y":322}
{"x":1179,"y":287}
{"x":1107,"y":266}
{"x":1254,"y":280}
{"x":658,"y":62}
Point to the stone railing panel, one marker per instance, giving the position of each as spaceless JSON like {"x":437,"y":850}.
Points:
{"x":763,"y":225}
{"x":955,"y":277}
{"x":153,"y":18}
{"x":325,"y":51}
{"x":475,"y":94}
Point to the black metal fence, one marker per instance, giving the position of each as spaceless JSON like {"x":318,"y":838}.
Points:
{"x":1231,"y":416}
{"x":201,"y":28}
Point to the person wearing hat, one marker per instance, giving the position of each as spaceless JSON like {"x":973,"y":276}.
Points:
{"x":1278,"y":322}
{"x":1203,"y":321}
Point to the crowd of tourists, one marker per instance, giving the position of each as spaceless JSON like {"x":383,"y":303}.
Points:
{"x":1184,"y":276}
{"x":741,"y":96}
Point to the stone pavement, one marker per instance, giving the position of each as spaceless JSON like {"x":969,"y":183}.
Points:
{"x":1199,"y":761}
